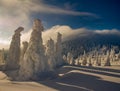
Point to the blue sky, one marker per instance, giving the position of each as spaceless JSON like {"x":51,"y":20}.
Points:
{"x":91,"y":14}
{"x":107,"y":12}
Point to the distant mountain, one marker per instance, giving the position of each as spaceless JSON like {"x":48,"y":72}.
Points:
{"x":78,"y":40}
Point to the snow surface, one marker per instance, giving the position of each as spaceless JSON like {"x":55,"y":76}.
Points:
{"x":70,"y":78}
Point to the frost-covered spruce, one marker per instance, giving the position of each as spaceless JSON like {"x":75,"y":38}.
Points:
{"x":65,"y":58}
{"x":97,"y":59}
{"x":58,"y":50}
{"x":84,"y":60}
{"x":25,"y":46}
{"x":107,"y":59}
{"x":89,"y":61}
{"x":50,"y":52}
{"x":112,"y":55}
{"x":34,"y":61}
{"x":2,"y":57}
{"x":14,"y":51}
{"x":70,"y":58}
{"x":77,"y":61}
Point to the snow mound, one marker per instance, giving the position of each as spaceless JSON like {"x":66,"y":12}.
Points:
{"x":3,"y":76}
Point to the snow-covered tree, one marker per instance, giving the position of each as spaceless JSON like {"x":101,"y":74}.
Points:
{"x":25,"y":46}
{"x":70,"y":58}
{"x":77,"y":61}
{"x":13,"y":57}
{"x":65,"y":58}
{"x":2,"y":57}
{"x":107,"y":59}
{"x":34,"y":61}
{"x":89,"y":61}
{"x":58,"y":50}
{"x":50,"y":52}
{"x":112,"y":55}
{"x":84,"y":60}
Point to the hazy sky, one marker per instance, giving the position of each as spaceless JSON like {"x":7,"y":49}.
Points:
{"x":91,"y":14}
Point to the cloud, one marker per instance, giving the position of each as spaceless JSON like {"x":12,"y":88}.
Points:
{"x":106,"y":31}
{"x":67,"y":33}
{"x":28,"y":6}
{"x":65,"y":30}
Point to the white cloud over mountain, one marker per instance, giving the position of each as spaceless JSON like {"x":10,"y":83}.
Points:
{"x":66,"y":31}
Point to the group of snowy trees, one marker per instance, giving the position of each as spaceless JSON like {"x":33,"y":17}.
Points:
{"x":95,"y":58}
{"x":34,"y":58}
{"x":39,"y":58}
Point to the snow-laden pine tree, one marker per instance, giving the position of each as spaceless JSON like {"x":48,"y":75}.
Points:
{"x":50,"y":53}
{"x":84,"y":60}
{"x":65,"y":59}
{"x":2,"y":57}
{"x":34,"y":61}
{"x":97,"y":59}
{"x":70,"y":58}
{"x":25,"y":46}
{"x":13,"y":57}
{"x":77,"y":61}
{"x":90,"y":60}
{"x":58,"y":50}
{"x":107,"y":59}
{"x":118,"y":57}
{"x":112,"y":55}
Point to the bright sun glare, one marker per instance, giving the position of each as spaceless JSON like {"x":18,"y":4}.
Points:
{"x":4,"y":42}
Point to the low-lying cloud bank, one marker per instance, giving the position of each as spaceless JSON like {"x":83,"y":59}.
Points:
{"x":66,"y":31}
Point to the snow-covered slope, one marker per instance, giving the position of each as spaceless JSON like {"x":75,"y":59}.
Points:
{"x":70,"y":78}
{"x":3,"y":77}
